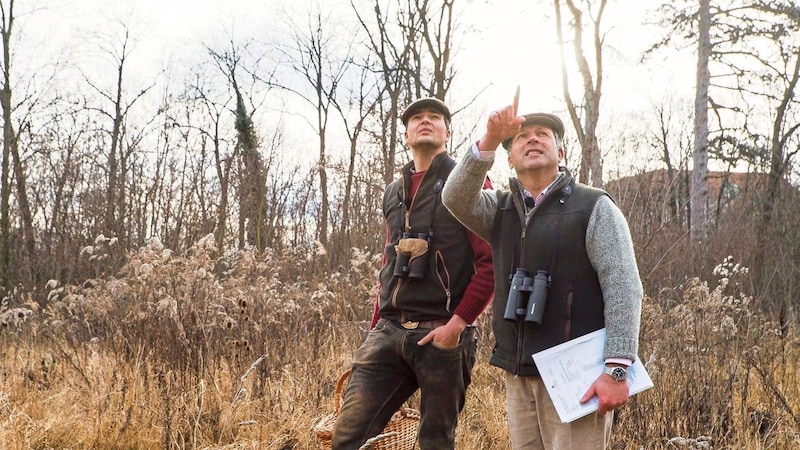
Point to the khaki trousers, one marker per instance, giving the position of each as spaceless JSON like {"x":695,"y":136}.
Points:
{"x":534,"y":423}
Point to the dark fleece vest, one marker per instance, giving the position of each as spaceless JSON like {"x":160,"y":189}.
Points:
{"x":449,"y":262}
{"x":574,"y":301}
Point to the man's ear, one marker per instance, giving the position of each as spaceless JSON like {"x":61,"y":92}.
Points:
{"x":561,"y":154}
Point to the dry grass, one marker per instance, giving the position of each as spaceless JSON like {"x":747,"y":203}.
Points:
{"x":242,"y":352}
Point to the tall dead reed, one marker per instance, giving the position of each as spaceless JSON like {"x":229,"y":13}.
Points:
{"x":242,"y":350}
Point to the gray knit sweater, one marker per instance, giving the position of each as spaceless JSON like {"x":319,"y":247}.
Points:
{"x":608,"y":244}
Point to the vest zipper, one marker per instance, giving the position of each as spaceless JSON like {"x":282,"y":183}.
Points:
{"x":520,"y":324}
{"x":443,"y":281}
{"x":520,"y":342}
{"x":407,"y":228}
{"x":411,"y":205}
{"x":568,"y":317}
{"x":396,"y":291}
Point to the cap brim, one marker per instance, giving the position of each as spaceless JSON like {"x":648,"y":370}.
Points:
{"x":549,"y":120}
{"x":425,"y":103}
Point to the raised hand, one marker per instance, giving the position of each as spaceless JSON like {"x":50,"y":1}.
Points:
{"x":502,"y":124}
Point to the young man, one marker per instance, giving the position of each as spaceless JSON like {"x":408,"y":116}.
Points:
{"x":435,"y":281}
{"x":580,"y":240}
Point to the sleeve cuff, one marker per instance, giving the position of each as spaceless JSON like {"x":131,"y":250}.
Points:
{"x":479,"y":155}
{"x":623,"y":361}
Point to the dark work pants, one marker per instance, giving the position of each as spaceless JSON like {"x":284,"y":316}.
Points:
{"x":388,"y":368}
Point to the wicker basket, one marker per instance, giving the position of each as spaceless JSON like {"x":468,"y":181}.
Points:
{"x":399,"y":434}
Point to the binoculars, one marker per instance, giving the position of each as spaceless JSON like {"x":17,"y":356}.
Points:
{"x":411,"y":251}
{"x":527,"y":296}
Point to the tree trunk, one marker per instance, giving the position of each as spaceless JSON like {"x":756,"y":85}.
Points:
{"x":23,"y":201}
{"x":699,"y":197}
{"x":8,"y":138}
{"x":223,"y":167}
{"x":112,"y":195}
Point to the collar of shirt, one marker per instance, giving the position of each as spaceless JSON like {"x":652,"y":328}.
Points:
{"x":527,"y":196}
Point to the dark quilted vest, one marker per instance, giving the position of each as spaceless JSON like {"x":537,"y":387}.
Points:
{"x":574,"y":302}
{"x":449,"y":265}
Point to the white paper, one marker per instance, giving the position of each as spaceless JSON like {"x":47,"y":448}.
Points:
{"x":569,"y":369}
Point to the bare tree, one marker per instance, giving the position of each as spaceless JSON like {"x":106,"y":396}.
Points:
{"x":213,"y":105}
{"x":251,"y":173}
{"x":281,"y":184}
{"x":322,"y":63}
{"x":9,"y":143}
{"x":699,"y":190}
{"x":393,"y":55}
{"x":119,"y":49}
{"x":56,"y":182}
{"x":753,"y":117}
{"x":13,"y":166}
{"x":184,"y":200}
{"x":671,"y":141}
{"x":781,"y":21}
{"x":414,"y":45}
{"x":360,"y":103}
{"x":433,"y":56}
{"x":753,"y":58}
{"x":591,"y":169}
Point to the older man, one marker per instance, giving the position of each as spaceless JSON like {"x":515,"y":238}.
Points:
{"x":578,"y":243}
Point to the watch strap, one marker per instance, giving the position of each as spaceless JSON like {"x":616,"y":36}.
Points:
{"x":618,"y":373}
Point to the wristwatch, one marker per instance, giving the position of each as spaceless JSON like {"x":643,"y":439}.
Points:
{"x":616,"y":372}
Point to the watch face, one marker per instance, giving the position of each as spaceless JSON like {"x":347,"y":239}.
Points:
{"x":619,"y":373}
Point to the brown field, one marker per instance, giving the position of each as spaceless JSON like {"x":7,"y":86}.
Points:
{"x":242,"y":352}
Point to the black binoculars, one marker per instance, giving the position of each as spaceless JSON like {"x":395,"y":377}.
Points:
{"x":527,"y":296}
{"x":411,"y":251}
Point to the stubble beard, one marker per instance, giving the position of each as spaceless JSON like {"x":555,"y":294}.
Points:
{"x":428,"y":145}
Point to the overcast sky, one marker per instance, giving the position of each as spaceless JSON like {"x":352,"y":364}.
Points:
{"x":513,"y":43}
